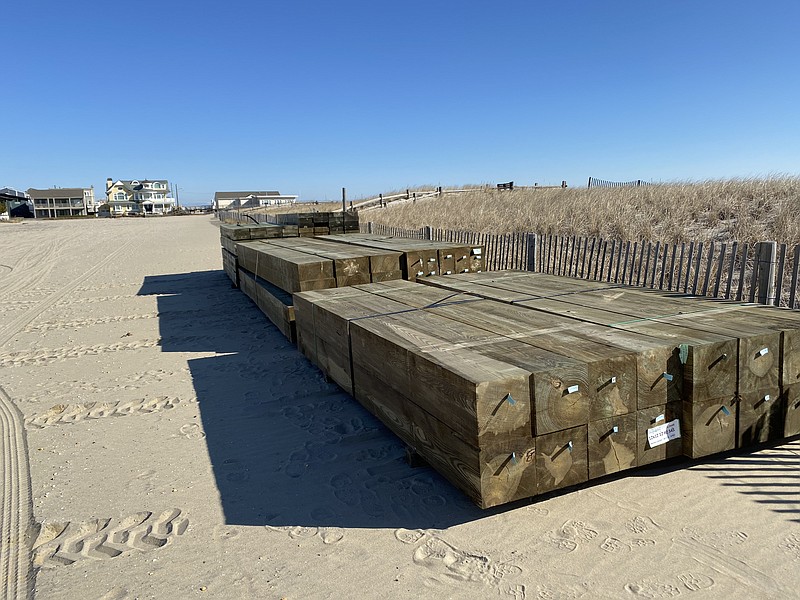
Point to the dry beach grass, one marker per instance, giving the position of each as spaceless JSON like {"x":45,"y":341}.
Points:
{"x":744,"y":210}
{"x":175,"y":445}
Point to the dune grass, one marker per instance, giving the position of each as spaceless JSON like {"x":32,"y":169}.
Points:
{"x":745,"y":210}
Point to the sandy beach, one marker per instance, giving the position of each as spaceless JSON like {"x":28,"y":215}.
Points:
{"x":161,"y":439}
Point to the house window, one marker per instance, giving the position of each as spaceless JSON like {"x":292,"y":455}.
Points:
{"x":119,"y":196}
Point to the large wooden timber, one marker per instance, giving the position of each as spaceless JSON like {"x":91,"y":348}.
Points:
{"x":653,"y":416}
{"x":252,"y":231}
{"x":575,"y":378}
{"x":273,"y":302}
{"x":288,"y":269}
{"x":709,"y":426}
{"x":319,"y":223}
{"x":470,"y":415}
{"x":421,"y":258}
{"x":609,"y":385}
{"x":351,"y":266}
{"x":561,"y":459}
{"x":506,"y":384}
{"x":702,"y":365}
{"x":762,"y":416}
{"x":791,"y":402}
{"x":230,"y":266}
{"x":612,"y":445}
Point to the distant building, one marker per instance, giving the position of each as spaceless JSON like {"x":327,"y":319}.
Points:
{"x":234,"y":200}
{"x":17,"y":204}
{"x":136,"y":197}
{"x":63,"y":202}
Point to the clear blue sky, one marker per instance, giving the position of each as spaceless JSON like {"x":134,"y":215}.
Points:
{"x":309,"y":97}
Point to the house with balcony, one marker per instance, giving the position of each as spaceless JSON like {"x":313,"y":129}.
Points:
{"x":57,"y":203}
{"x":238,"y":200}
{"x":139,"y":197}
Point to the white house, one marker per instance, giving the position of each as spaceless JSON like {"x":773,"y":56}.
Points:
{"x":137,"y":197}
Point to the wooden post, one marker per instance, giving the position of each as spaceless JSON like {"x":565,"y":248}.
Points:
{"x":344,"y":201}
{"x":767,"y":252}
{"x":427,"y":232}
{"x":369,"y":227}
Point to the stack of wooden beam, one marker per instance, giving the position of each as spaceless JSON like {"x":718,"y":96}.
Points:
{"x":294,"y":264}
{"x":231,"y":234}
{"x":737,"y":368}
{"x":515,"y":384}
{"x":421,"y":258}
{"x":312,"y":224}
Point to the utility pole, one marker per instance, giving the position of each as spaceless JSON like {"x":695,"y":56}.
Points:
{"x":344,"y":201}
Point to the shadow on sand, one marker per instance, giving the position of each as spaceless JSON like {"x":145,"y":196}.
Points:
{"x":287,"y":448}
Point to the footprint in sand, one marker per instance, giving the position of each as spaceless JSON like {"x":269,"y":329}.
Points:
{"x":652,"y":589}
{"x":694,"y":582}
{"x":578,"y":531}
{"x":614,"y":546}
{"x":450,"y":563}
{"x":791,"y":545}
{"x":193,"y":431}
{"x":331,"y":535}
{"x":410,"y":536}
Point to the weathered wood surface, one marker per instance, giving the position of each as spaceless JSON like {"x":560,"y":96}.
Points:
{"x":250,"y":232}
{"x":608,"y":386}
{"x":492,"y":475}
{"x":709,"y":426}
{"x":762,"y":416}
{"x":230,"y":266}
{"x":754,"y":325}
{"x":228,"y":244}
{"x":653,"y":416}
{"x":660,"y":381}
{"x":421,"y":258}
{"x":612,"y":445}
{"x":479,"y":370}
{"x":468,"y":414}
{"x":323,"y":321}
{"x":285,"y":268}
{"x":791,"y":402}
{"x":562,"y":459}
{"x":273,"y":302}
{"x":352,"y":265}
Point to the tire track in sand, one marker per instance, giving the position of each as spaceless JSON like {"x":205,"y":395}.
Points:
{"x":29,"y":315}
{"x":16,"y":515}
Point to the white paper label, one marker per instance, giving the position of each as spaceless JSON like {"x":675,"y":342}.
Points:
{"x":661,"y":434}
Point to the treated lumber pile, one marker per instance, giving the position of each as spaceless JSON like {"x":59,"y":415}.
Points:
{"x":231,"y":234}
{"x":310,"y":224}
{"x":276,"y":268}
{"x":351,"y":266}
{"x":255,"y":231}
{"x":420,"y":258}
{"x":735,"y":361}
{"x":273,"y":302}
{"x":608,"y":378}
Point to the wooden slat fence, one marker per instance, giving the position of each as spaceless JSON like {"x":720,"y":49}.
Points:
{"x":595,"y":182}
{"x":764,"y":272}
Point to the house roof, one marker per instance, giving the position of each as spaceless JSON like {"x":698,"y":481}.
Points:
{"x":57,"y":193}
{"x":128,"y":184}
{"x":242,"y":195}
